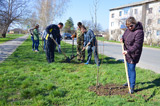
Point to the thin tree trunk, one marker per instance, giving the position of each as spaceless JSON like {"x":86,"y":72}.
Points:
{"x":5,"y":31}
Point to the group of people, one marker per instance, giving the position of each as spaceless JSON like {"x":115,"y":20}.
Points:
{"x":52,"y":32}
{"x":86,"y":39}
{"x":132,"y":38}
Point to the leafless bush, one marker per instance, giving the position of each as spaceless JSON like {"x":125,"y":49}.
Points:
{"x":116,"y":34}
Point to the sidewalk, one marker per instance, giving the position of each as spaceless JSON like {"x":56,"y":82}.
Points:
{"x":7,"y":48}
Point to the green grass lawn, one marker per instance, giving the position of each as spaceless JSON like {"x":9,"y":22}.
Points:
{"x":10,"y":37}
{"x":103,"y":39}
{"x":26,"y":79}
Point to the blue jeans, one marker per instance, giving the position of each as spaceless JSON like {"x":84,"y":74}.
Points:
{"x":33,"y":42}
{"x":36,"y":44}
{"x":44,"y":47}
{"x":132,"y":74}
{"x":94,"y":49}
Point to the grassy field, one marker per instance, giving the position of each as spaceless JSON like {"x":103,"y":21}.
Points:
{"x":103,"y":39}
{"x":26,"y":79}
{"x":10,"y":37}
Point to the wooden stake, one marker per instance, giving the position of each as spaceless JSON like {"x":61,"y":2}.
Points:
{"x":97,"y":63}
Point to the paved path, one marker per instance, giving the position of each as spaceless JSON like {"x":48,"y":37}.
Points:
{"x":7,"y":48}
{"x":150,"y":58}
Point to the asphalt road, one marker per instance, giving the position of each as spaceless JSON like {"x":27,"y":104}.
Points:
{"x":150,"y":58}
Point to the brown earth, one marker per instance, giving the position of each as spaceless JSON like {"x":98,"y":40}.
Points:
{"x":109,"y":89}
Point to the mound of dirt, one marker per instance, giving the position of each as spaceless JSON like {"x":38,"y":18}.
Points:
{"x":109,"y":89}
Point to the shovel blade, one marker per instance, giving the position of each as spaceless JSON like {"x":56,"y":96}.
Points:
{"x":68,"y":60}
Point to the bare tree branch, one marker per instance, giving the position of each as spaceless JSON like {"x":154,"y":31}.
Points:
{"x":10,"y":11}
{"x":49,"y":10}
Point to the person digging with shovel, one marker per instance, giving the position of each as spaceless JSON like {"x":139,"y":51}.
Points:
{"x":133,"y":39}
{"x":80,"y":43}
{"x":90,"y":40}
{"x":52,"y":36}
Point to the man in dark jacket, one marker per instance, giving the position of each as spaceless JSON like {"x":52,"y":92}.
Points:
{"x":133,"y":43}
{"x":90,"y":40}
{"x":53,"y":33}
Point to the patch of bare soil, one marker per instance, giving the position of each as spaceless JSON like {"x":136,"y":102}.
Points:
{"x":109,"y":89}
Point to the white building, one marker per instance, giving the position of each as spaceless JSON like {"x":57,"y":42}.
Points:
{"x":146,"y":11}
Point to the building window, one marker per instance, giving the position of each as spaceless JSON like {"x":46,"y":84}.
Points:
{"x":120,"y":13}
{"x":149,"y":21}
{"x":113,"y":15}
{"x":158,"y":32}
{"x":112,"y":24}
{"x":125,"y":12}
{"x":135,"y":11}
{"x":150,"y":10}
{"x":159,"y":21}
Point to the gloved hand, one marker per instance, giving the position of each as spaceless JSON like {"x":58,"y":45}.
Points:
{"x":59,"y":48}
{"x":51,"y":36}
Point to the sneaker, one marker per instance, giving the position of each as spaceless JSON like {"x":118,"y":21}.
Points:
{"x":126,"y":84}
{"x":86,"y":63}
{"x":36,"y":51}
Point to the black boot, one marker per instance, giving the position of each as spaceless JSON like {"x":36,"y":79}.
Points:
{"x":132,"y":90}
{"x":126,"y":84}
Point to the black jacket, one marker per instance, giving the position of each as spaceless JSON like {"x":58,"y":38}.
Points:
{"x":55,"y":32}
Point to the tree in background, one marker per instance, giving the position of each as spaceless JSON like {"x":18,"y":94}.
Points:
{"x":90,"y":25}
{"x":95,"y":26}
{"x":11,"y":11}
{"x":49,"y":10}
{"x":30,"y":21}
{"x":69,"y":26}
{"x":87,"y":24}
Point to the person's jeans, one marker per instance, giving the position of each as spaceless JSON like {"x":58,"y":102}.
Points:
{"x":94,"y":49}
{"x":44,"y":47}
{"x":33,"y":42}
{"x":131,"y":74}
{"x":36,"y":44}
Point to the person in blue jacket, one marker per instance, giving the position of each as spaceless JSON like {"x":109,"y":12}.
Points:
{"x":91,"y":42}
{"x":53,"y":32}
{"x":44,"y":34}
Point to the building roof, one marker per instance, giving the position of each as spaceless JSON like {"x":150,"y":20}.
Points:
{"x":134,"y":4}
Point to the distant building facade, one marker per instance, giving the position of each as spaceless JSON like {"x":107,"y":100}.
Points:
{"x":147,"y":12}
{"x":17,"y":31}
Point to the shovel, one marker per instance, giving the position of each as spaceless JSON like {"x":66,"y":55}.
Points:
{"x":67,"y":58}
{"x":73,"y":56}
{"x":72,"y":47}
{"x":126,"y":68}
